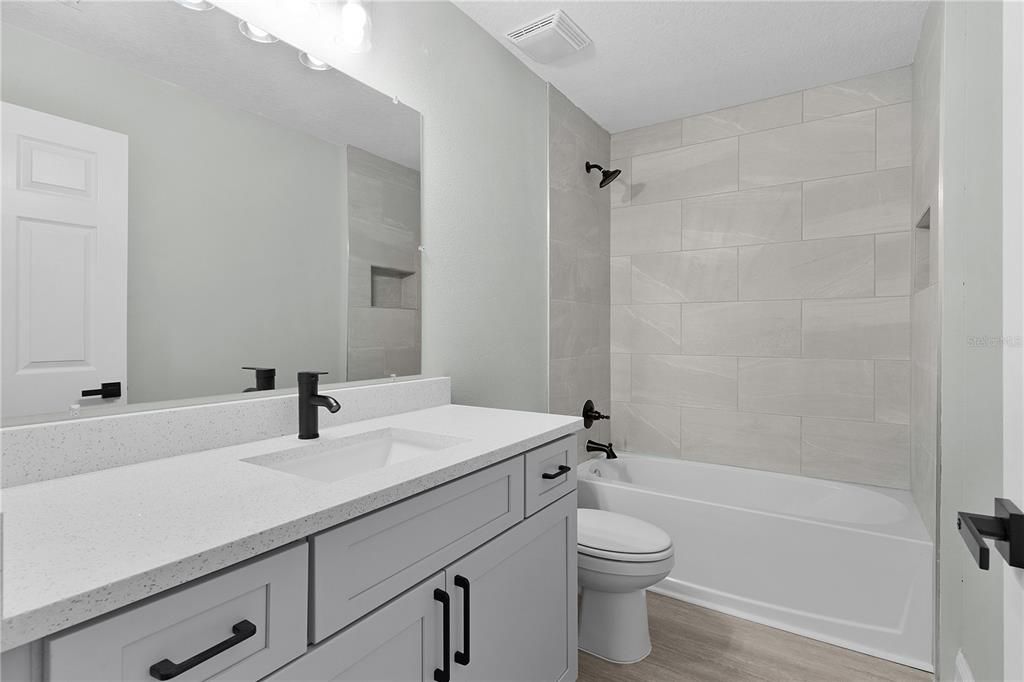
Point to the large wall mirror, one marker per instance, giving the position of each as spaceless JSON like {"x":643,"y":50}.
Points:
{"x":181,"y":201}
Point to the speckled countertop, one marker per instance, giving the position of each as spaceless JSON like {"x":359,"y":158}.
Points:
{"x":79,"y":547}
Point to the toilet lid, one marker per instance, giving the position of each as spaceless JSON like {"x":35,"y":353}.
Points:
{"x":608,"y":535}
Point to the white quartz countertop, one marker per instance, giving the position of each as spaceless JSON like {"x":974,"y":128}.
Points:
{"x":79,"y":547}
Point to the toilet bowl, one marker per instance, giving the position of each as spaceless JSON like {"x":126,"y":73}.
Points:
{"x":619,"y":558}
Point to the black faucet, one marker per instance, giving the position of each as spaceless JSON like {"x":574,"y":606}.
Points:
{"x":309,"y":383}
{"x":594,"y":446}
{"x":264,"y":379}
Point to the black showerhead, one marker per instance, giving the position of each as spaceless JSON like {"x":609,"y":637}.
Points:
{"x":607,"y":176}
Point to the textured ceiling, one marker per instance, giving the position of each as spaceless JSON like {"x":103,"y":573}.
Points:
{"x":204,"y":52}
{"x":655,"y":61}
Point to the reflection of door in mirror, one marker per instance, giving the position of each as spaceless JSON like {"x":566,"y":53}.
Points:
{"x":65,"y":229}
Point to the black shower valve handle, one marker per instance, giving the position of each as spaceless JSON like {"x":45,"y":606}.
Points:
{"x":591,"y":415}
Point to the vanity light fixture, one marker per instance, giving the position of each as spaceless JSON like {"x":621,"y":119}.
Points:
{"x":311,"y":62}
{"x":355,"y":27}
{"x":255,"y":33}
{"x":196,"y":5}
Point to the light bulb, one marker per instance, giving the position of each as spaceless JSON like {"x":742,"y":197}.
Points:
{"x":311,"y":62}
{"x":197,"y":5}
{"x":255,"y":33}
{"x":355,"y":27}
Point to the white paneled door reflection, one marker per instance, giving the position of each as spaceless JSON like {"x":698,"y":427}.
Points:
{"x":65,"y":234}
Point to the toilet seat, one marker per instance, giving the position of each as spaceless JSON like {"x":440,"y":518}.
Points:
{"x":616,"y":537}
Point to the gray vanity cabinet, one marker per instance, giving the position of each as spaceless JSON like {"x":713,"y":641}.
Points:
{"x":399,"y":641}
{"x":522,"y":601}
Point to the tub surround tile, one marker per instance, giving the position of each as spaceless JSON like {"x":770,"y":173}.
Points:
{"x":650,"y":429}
{"x":651,"y":138}
{"x":755,"y":216}
{"x":706,"y":168}
{"x":684,"y":380}
{"x":843,"y":389}
{"x":893,"y":136}
{"x":621,"y":381}
{"x":824,"y":268}
{"x":892,"y":264}
{"x":758,"y":441}
{"x":621,"y":274}
{"x":622,"y":187}
{"x":892,"y":391}
{"x":646,"y":229}
{"x":869,"y":328}
{"x":754,"y":329}
{"x":858,"y":94}
{"x":858,"y":452}
{"x":857,"y":204}
{"x":645,"y":329}
{"x":820,"y":149}
{"x":708,"y":275}
{"x":745,"y":118}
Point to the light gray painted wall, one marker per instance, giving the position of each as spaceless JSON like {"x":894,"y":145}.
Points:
{"x":484,"y":295}
{"x":237,"y":234}
{"x":760,"y":282}
{"x":971,"y":345}
{"x":580,"y":241}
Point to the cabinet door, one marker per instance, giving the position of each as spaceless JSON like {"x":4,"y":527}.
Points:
{"x":399,"y":642}
{"x":521,"y":589}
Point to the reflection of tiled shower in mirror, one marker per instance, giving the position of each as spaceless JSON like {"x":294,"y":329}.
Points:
{"x":384,"y":267}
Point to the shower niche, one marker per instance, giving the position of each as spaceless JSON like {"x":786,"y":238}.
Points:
{"x":391,"y":288}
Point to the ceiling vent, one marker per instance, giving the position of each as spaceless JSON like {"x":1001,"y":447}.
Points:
{"x":549,"y":38}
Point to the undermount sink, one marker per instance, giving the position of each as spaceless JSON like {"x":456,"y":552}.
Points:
{"x":332,"y":459}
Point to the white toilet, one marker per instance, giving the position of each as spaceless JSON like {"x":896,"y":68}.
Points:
{"x":619,"y":558}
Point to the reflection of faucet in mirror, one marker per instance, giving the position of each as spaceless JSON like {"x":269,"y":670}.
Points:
{"x":309,"y":383}
{"x":264,"y":379}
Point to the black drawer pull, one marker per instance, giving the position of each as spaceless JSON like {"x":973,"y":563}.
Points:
{"x":167,"y":669}
{"x":444,"y":673}
{"x":462,"y":657}
{"x":107,"y":390}
{"x":562,"y":471}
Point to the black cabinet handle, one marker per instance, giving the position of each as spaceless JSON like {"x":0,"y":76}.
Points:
{"x":562,"y":471}
{"x":462,"y":657}
{"x":110,"y":389}
{"x":444,"y":673}
{"x":1006,"y":527}
{"x":167,"y":669}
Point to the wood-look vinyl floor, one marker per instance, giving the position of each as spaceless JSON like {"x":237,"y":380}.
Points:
{"x":694,"y":643}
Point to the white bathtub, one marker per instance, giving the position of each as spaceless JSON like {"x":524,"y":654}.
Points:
{"x":842,"y":563}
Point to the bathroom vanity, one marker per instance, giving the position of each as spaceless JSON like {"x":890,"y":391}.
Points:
{"x":438,"y":544}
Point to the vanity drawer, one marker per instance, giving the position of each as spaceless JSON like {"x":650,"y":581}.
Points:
{"x":362,"y":564}
{"x":550,"y":460}
{"x":256,"y":612}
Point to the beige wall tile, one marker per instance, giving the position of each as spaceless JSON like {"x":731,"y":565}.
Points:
{"x":646,"y":229}
{"x":382,"y":327}
{"x":562,"y":258}
{"x":684,"y":380}
{"x":823,"y":268}
{"x":859,"y":452}
{"x":857,"y":94}
{"x":651,"y":138}
{"x":892,"y":264}
{"x":745,"y":118}
{"x":819,"y":149}
{"x":758,"y":329}
{"x":621,"y":189}
{"x":893,"y":136}
{"x":754,"y":216}
{"x":620,"y":378}
{"x":809,"y":388}
{"x":892,"y":391}
{"x":706,"y":168}
{"x":645,"y":328}
{"x":857,"y":204}
{"x":578,"y":328}
{"x":759,"y":441}
{"x":867,"y":328}
{"x":646,"y":429}
{"x":708,"y":275}
{"x":621,"y":273}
